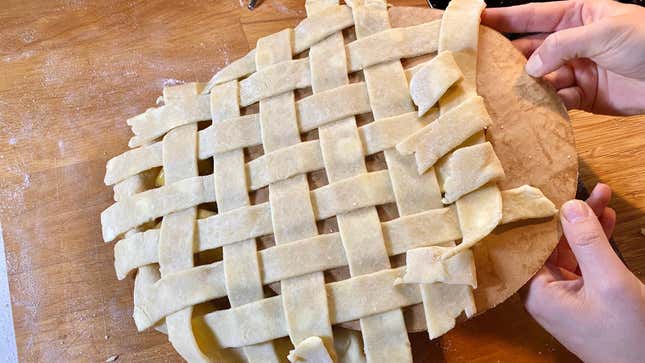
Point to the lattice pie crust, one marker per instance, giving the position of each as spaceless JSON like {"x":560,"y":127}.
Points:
{"x":438,"y":171}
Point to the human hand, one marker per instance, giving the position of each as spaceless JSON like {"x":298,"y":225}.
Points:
{"x":584,"y":295}
{"x":591,"y":51}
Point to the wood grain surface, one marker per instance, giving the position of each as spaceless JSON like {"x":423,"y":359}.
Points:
{"x":72,"y":71}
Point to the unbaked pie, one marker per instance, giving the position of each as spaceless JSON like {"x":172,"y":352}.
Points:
{"x":303,"y":170}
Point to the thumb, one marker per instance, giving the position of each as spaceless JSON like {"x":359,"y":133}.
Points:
{"x":562,"y":46}
{"x":598,"y":262}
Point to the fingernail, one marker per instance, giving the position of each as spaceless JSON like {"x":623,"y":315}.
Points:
{"x":575,"y":211}
{"x":534,"y":65}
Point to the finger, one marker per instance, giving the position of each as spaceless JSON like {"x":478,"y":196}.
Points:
{"x":565,"y":45}
{"x":571,"y":97}
{"x":538,"y":282}
{"x":553,"y":257}
{"x":562,"y":77}
{"x":597,"y":261}
{"x":529,"y":43}
{"x":567,"y":275}
{"x":562,"y":255}
{"x":534,"y":17}
{"x":566,"y":258}
{"x":542,"y":298}
{"x":608,"y":221}
{"x":599,"y":198}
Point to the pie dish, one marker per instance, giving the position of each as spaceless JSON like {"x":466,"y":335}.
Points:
{"x":282,"y":189}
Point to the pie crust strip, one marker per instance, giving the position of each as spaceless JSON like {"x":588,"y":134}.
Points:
{"x":136,"y":210}
{"x":319,"y":26}
{"x":469,"y":168}
{"x":462,"y":21}
{"x":133,"y":162}
{"x":311,"y":349}
{"x":255,"y":221}
{"x":284,"y":163}
{"x":264,"y":320}
{"x":459,"y":33}
{"x":400,"y":235}
{"x":433,"y":79}
{"x":230,"y":134}
{"x":309,"y":32}
{"x":318,"y":253}
{"x":241,"y":132}
{"x":413,"y":192}
{"x":146,"y":206}
{"x":385,"y":335}
{"x":240,"y":260}
{"x":304,"y":298}
{"x":177,"y":234}
{"x":450,"y":130}
{"x":525,"y":202}
{"x":155,"y":122}
{"x":359,"y":228}
{"x":340,"y":145}
{"x":147,"y":274}
{"x":402,"y":42}
{"x":274,"y":79}
{"x":440,"y":317}
{"x":330,"y":104}
{"x":385,"y":133}
{"x":424,"y":266}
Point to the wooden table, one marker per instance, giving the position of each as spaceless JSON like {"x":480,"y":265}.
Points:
{"x":73,"y":71}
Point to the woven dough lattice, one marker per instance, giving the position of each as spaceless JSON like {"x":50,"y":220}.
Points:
{"x":438,"y":173}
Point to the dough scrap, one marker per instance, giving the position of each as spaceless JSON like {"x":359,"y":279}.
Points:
{"x":468,"y":169}
{"x":443,"y":303}
{"x":433,"y":79}
{"x":447,"y":132}
{"x":425,"y":266}
{"x":525,"y":202}
{"x":479,"y":213}
{"x":310,"y":350}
